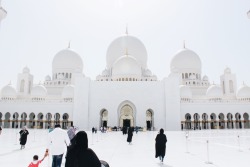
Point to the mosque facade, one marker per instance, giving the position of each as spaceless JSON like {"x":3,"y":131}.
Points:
{"x":126,"y":93}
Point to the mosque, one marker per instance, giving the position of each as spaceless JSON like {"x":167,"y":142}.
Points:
{"x":126,"y":93}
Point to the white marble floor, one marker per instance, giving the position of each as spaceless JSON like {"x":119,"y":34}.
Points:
{"x":226,"y":149}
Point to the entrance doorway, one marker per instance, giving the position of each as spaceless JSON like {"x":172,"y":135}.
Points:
{"x":126,"y":123}
{"x":126,"y":116}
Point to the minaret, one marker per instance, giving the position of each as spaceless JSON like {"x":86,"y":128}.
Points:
{"x":3,"y":12}
{"x":228,"y":83}
{"x":24,"y":82}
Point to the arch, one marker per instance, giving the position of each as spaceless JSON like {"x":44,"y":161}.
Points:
{"x":15,"y":120}
{"x":57,"y":118}
{"x":213,"y":122}
{"x":204,"y":121}
{"x":23,"y":119}
{"x":7,"y":120}
{"x":150,"y":119}
{"x":230,"y":124}
{"x":246,"y":120}
{"x":188,"y":121}
{"x":1,"y":115}
{"x":221,"y":121}
{"x":32,"y":122}
{"x":65,"y":120}
{"x":40,"y":121}
{"x":48,"y":122}
{"x":126,"y":113}
{"x":238,"y":123}
{"x":104,"y":118}
{"x":196,"y":121}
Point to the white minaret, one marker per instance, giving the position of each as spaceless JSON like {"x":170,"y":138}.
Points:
{"x":3,"y":12}
{"x":228,"y":83}
{"x":24,"y":82}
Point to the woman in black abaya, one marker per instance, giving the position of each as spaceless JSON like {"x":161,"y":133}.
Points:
{"x":160,"y":145}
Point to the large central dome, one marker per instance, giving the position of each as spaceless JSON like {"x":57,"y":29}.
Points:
{"x":126,"y":42}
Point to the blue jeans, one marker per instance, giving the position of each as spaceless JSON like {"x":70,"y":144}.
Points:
{"x":57,"y":160}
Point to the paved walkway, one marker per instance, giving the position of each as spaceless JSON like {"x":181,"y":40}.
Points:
{"x":226,"y":149}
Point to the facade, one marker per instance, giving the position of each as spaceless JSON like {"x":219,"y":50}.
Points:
{"x":126,"y":93}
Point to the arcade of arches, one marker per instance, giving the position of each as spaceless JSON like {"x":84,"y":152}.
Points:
{"x":32,"y":120}
{"x":213,"y":121}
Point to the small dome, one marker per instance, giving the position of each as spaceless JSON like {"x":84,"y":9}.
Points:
{"x":126,"y":42}
{"x":227,"y":71}
{"x":26,"y":70}
{"x":243,"y":92}
{"x":147,"y":72}
{"x":205,"y":78}
{"x":214,"y":91}
{"x":105,"y":72}
{"x":185,"y":59}
{"x":47,"y":78}
{"x":67,"y":60}
{"x":126,"y":66}
{"x":185,"y":92}
{"x":38,"y":91}
{"x":68,"y":91}
{"x":9,"y":91}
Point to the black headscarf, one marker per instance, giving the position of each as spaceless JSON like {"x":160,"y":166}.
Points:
{"x":161,"y":131}
{"x":81,"y":139}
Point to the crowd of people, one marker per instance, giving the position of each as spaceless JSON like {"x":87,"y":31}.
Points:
{"x":78,"y":153}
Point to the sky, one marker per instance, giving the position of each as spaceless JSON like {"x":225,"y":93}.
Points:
{"x":35,"y":30}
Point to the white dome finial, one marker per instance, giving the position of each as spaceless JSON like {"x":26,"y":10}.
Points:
{"x":184,"y":44}
{"x":69,"y":44}
{"x":126,"y":29}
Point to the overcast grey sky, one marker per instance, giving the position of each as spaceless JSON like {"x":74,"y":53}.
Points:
{"x":35,"y":30}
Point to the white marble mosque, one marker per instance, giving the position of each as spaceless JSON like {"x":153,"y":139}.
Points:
{"x":126,"y":93}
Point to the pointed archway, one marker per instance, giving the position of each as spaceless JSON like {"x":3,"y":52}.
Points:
{"x":126,"y":114}
{"x":149,"y":119}
{"x":104,"y":118}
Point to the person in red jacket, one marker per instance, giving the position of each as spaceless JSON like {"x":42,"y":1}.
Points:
{"x":36,"y":162}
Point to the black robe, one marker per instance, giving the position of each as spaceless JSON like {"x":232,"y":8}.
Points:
{"x":160,"y":145}
{"x":130,"y":135}
{"x":23,"y":136}
{"x":78,"y":157}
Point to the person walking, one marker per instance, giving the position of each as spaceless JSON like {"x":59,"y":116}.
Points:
{"x":130,"y":135}
{"x":23,"y":137}
{"x":160,"y":145}
{"x":57,"y":142}
{"x":80,"y":155}
{"x":71,"y":133}
{"x":36,"y":162}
